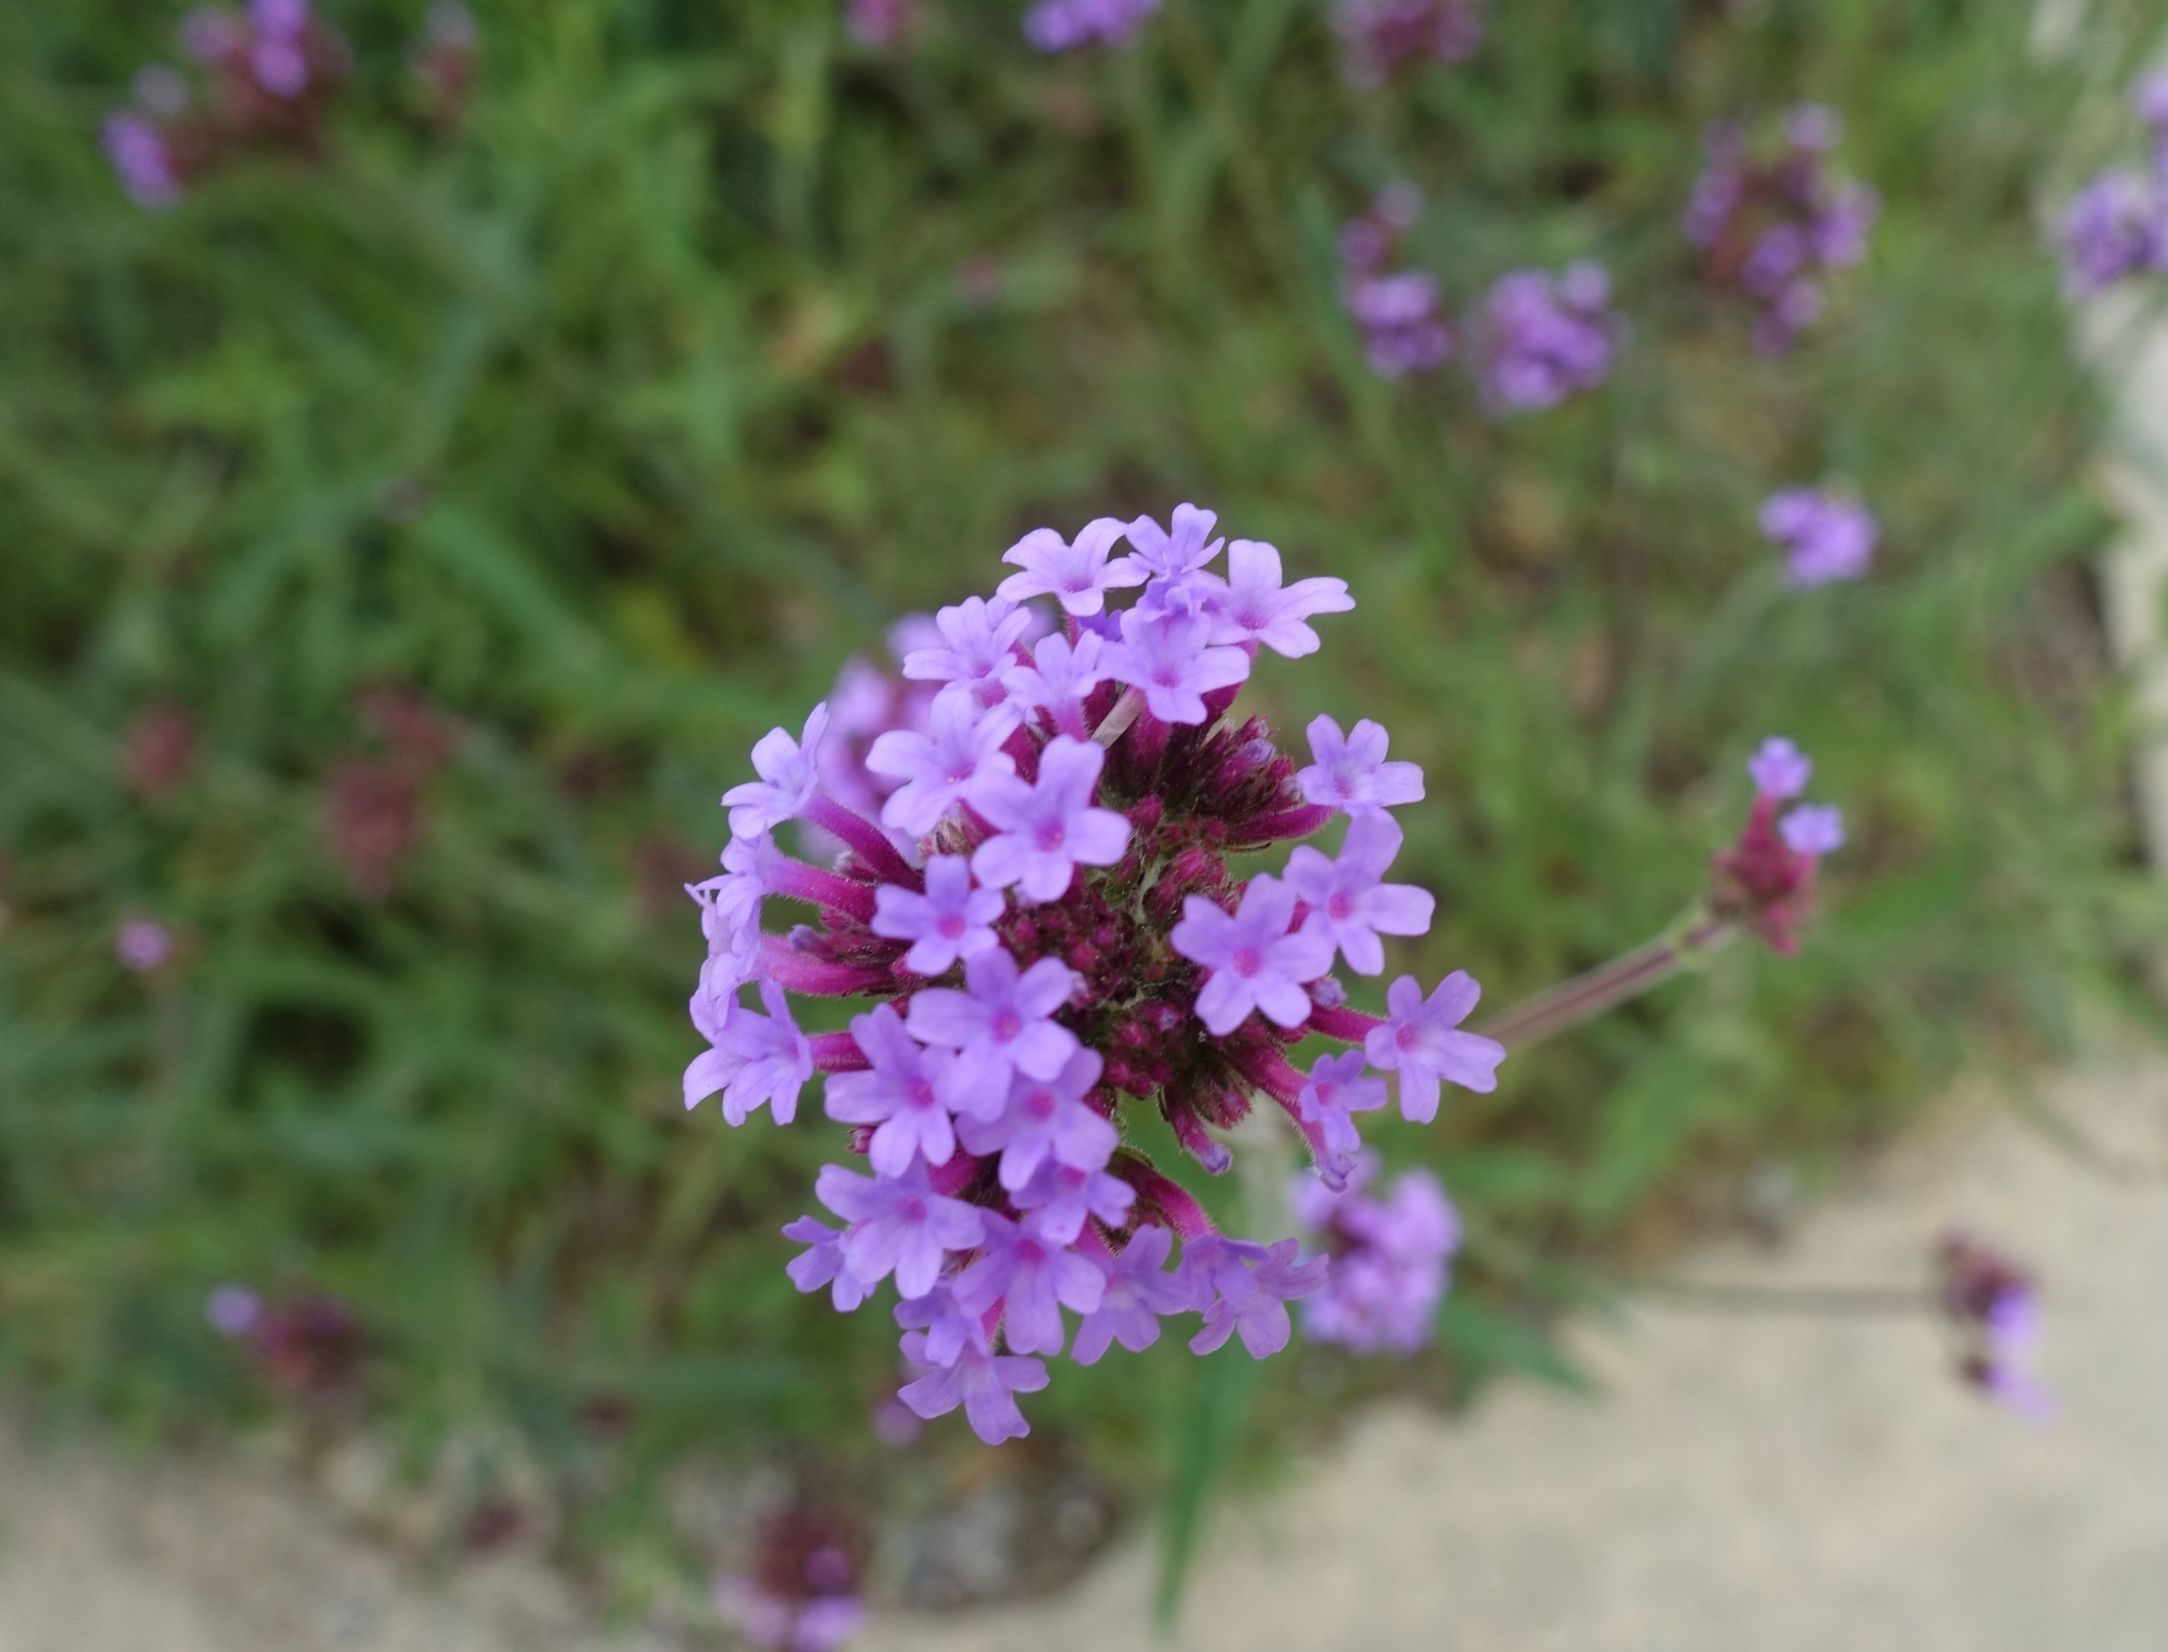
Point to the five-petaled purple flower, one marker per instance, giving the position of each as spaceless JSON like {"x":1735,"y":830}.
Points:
{"x":1779,"y":768}
{"x":1046,"y":1120}
{"x":754,"y":1058}
{"x":1349,"y":771}
{"x":1824,"y":536}
{"x":978,"y":643}
{"x":1001,"y":1022}
{"x":960,"y":749}
{"x":1060,"y":679}
{"x":949,"y":920}
{"x":1251,"y":605}
{"x":788,"y":776}
{"x":1166,"y":657}
{"x":984,"y":1383}
{"x":1813,"y":829}
{"x":1075,"y":573}
{"x":1251,"y":960}
{"x":1032,"y":1276}
{"x":1139,"y":1291}
{"x":1349,"y":906}
{"x":907,"y":1094}
{"x":1423,"y":1043}
{"x":1045,"y":830}
{"x":1340,"y":1086}
{"x":1253,"y":1285}
{"x":899,"y":1225}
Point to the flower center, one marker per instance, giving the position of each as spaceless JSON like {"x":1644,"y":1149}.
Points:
{"x":1247,"y":961}
{"x":1038,"y":1105}
{"x":1051,"y":836}
{"x":1341,"y":904}
{"x":951,"y":925}
{"x":912,"y":1209}
{"x":1008,"y":1025}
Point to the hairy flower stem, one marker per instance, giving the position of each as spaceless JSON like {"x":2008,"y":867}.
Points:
{"x":1609,"y":985}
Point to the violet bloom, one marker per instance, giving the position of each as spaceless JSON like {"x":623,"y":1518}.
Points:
{"x":1391,"y":1260}
{"x":1349,"y":906}
{"x":1350,"y":771}
{"x":899,"y":1225}
{"x":233,"y":1310}
{"x":821,"y":1263}
{"x":1546,"y":337}
{"x":1825,"y":536}
{"x":1252,"y":1285}
{"x":1031,"y":1278}
{"x":142,"y":160}
{"x":1139,"y":1291}
{"x":950,"y":921}
{"x":978,"y":643}
{"x":1047,"y":828}
{"x":1423,"y":1043}
{"x":1252,"y":605}
{"x":1075,"y":572}
{"x":960,"y":749}
{"x":2116,"y":226}
{"x":1046,"y":1121}
{"x":1181,"y":548}
{"x":1060,"y":679}
{"x":1384,"y":37}
{"x":879,"y":22}
{"x":1165,"y":656}
{"x":1340,"y":1086}
{"x":275,"y":52}
{"x":907,"y":1094}
{"x":1001,"y":1022}
{"x":1402,"y":323}
{"x":1251,"y":960}
{"x":1059,"y":1199}
{"x":142,"y":945}
{"x":949,"y":1329}
{"x":788,"y":778}
{"x":1813,"y":830}
{"x":755,"y":1058}
{"x":983,"y":1383}
{"x":1068,"y":25}
{"x":1780,"y":769}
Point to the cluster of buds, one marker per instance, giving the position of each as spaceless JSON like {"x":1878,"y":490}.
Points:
{"x":802,"y":1592}
{"x":1391,"y":1253}
{"x":309,"y":1347}
{"x":1400,"y":312}
{"x":2117,"y":225}
{"x":1995,"y":1307}
{"x":1765,"y":881}
{"x":1052,"y":939}
{"x":1072,"y":25}
{"x":1772,"y":221}
{"x":374,"y":815}
{"x":1826,"y":537}
{"x":1384,"y":38}
{"x":1543,"y":337}
{"x":269,"y":75}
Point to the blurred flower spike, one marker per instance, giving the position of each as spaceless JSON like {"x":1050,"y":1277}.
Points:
{"x":802,"y":1593}
{"x":1765,"y":881}
{"x":1995,"y":1307}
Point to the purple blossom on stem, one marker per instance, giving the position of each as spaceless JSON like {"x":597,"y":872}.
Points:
{"x":1391,"y":1259}
{"x":1067,"y":25}
{"x":1340,"y":1086}
{"x":1046,"y":1121}
{"x":1350,"y":771}
{"x":1139,"y":1292}
{"x":1423,"y":1043}
{"x":1251,"y":1285}
{"x":822,"y":1264}
{"x":1074,"y":572}
{"x":978,"y":643}
{"x":1546,"y":337}
{"x":1002,"y":1022}
{"x":950,"y":921}
{"x":1030,"y":1277}
{"x":938,"y":769}
{"x":982,"y":1382}
{"x":1047,"y":828}
{"x":1252,"y":606}
{"x":1349,"y":906}
{"x":788,"y":778}
{"x":1813,"y":830}
{"x":1824,"y":536}
{"x":1780,"y":769}
{"x":755,"y":1058}
{"x":1060,"y":1197}
{"x":1165,"y":657}
{"x":1178,"y":550}
{"x":2115,"y":227}
{"x":899,"y":1225}
{"x":1060,"y":678}
{"x":1251,"y":960}
{"x":907,"y":1093}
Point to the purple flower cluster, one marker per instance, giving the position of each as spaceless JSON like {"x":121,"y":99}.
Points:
{"x":1825,"y":537}
{"x":802,"y":1593}
{"x":1995,"y":1307}
{"x":1400,"y":312}
{"x":269,"y":69}
{"x":1765,"y":880}
{"x":2117,"y":225}
{"x":1046,"y":925}
{"x":142,"y":945}
{"x":1382,"y":38}
{"x":309,"y":1347}
{"x":1070,"y":25}
{"x":880,"y":22}
{"x":1544,"y":337}
{"x":1391,"y":1254}
{"x":1772,"y":220}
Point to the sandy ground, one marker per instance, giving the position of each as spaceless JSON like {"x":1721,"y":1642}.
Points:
{"x":1768,"y":1483}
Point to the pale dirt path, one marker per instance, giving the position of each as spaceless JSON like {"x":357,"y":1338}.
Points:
{"x":1763,"y":1485}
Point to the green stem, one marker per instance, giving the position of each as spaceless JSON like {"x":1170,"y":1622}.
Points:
{"x":1608,"y":985}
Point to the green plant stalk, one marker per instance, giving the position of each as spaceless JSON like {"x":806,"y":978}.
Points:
{"x":1608,"y":985}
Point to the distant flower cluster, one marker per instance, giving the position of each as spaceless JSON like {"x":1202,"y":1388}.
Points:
{"x":1765,"y":880}
{"x":1400,"y":312}
{"x":1543,"y":337}
{"x":309,"y":1346}
{"x":1071,"y":25}
{"x":880,"y":22}
{"x":446,"y":61}
{"x":1048,"y":928}
{"x":2117,"y":226}
{"x":802,"y":1594}
{"x":1996,"y":1309}
{"x":1773,"y":221}
{"x":1384,"y":38}
{"x":1825,"y":537}
{"x":143,"y":945}
{"x":1391,"y":1252}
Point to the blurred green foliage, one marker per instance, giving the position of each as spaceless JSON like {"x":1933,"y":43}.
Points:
{"x":710,"y":344}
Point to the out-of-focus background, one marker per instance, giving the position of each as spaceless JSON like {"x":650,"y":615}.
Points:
{"x":407,"y":528}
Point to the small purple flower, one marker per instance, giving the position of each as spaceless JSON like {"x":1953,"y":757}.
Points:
{"x":1046,"y":829}
{"x":1340,"y":1086}
{"x":1824,"y":536}
{"x":1139,"y":1291}
{"x":1046,"y":1121}
{"x":1349,"y":906}
{"x":1813,"y":830}
{"x":1350,"y":771}
{"x":1250,"y":959}
{"x":788,"y":779}
{"x":1391,"y":1261}
{"x":1384,"y":37}
{"x":1423,"y":1043}
{"x":755,"y":1058}
{"x":142,"y":945}
{"x":1546,"y":337}
{"x":1780,"y":769}
{"x":822,"y":1264}
{"x":1030,"y":1277}
{"x":1060,"y":1197}
{"x":899,"y":1225}
{"x":1165,"y":655}
{"x":983,"y":1383}
{"x":1001,"y":1022}
{"x":1252,"y":606}
{"x":907,"y":1094}
{"x":2116,"y":226}
{"x":978,"y":643}
{"x":1060,"y":678}
{"x":1067,"y":25}
{"x":233,"y":1310}
{"x":1403,"y":330}
{"x":960,"y":749}
{"x":141,"y":158}
{"x":1077,"y":573}
{"x":1181,"y":548}
{"x":950,"y":921}
{"x":1252,"y":1285}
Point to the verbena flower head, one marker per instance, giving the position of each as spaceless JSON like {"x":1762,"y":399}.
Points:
{"x":1765,"y":880}
{"x":1546,"y":337}
{"x":1046,"y":933}
{"x":1771,"y":219}
{"x":801,"y":1594}
{"x":1995,"y":1307}
{"x":2114,"y":228}
{"x":1069,"y":25}
{"x":1391,"y":1251}
{"x":1384,"y":38}
{"x":1826,"y":537}
{"x":1400,"y":313}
